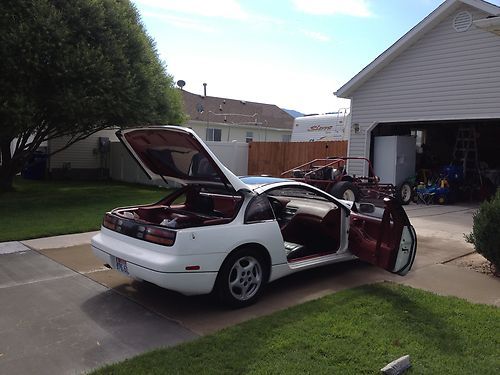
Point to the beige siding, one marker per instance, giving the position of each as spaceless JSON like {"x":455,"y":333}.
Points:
{"x":83,"y":154}
{"x":444,"y":75}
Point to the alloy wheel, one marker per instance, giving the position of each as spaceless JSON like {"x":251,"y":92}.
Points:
{"x":245,"y":278}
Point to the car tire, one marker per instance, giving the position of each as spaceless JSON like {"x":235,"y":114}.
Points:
{"x":242,"y":278}
{"x":404,"y":193}
{"x":345,"y":190}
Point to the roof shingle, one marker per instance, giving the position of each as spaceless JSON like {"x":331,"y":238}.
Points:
{"x":236,"y":112}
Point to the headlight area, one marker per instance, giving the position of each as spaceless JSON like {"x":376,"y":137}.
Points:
{"x":131,"y":228}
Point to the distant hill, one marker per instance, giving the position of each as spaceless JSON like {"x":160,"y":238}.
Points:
{"x":293,"y":113}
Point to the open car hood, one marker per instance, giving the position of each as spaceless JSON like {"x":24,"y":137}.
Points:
{"x":177,"y":154}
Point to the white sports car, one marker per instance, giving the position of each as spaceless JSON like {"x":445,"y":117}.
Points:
{"x":229,"y":235}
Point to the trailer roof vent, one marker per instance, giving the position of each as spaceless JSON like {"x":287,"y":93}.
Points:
{"x":462,"y":21}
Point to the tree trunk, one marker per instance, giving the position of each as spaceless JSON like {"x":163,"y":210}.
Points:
{"x":7,"y":168}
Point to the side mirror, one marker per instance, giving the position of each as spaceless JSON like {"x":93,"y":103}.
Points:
{"x":366,"y":208}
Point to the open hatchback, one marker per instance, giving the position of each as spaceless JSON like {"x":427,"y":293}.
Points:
{"x":215,"y":232}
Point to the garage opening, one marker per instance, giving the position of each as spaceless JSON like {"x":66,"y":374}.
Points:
{"x":443,"y":144}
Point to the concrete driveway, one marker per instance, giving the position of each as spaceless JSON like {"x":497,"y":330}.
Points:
{"x":56,"y":321}
{"x":90,"y":322}
{"x":448,"y":222}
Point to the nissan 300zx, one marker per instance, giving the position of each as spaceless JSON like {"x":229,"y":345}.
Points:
{"x":230,"y":236}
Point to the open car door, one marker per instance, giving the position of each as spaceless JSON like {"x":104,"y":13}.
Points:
{"x":386,"y":240}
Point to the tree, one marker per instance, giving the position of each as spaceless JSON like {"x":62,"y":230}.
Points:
{"x":71,"y":68}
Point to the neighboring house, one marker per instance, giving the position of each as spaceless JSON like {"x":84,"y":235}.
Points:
{"x":442,"y":75}
{"x":213,"y":119}
{"x":86,"y":159}
{"x":222,"y":119}
{"x":102,"y":155}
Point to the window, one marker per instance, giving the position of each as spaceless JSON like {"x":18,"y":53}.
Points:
{"x":286,"y":137}
{"x":259,"y":209}
{"x":296,"y":192}
{"x":214,"y":134}
{"x":249,"y":137}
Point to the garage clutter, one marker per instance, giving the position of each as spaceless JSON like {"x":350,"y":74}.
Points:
{"x":464,"y":178}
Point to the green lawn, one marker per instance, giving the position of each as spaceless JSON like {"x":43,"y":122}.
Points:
{"x":356,"y":331}
{"x":47,"y":208}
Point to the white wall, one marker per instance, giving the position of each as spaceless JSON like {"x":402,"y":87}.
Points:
{"x":234,"y":155}
{"x":231,"y":132}
{"x":445,"y":75}
{"x":122,"y":167}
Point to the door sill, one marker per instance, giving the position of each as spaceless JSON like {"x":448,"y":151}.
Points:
{"x":318,"y":259}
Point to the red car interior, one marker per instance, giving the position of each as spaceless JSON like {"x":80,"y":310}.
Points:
{"x":314,"y":227}
{"x":373,"y":239}
{"x":197,"y":210}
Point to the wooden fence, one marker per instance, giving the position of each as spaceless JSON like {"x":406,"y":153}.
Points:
{"x":273,"y":158}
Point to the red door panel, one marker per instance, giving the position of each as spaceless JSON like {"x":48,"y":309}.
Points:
{"x":380,"y":241}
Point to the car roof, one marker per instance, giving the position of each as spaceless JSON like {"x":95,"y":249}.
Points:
{"x":261,"y":184}
{"x":255,"y":182}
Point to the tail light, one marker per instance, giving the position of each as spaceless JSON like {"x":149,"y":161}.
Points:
{"x":161,"y":236}
{"x":110,"y":222}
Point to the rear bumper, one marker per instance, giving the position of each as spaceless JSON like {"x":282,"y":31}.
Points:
{"x":188,"y":283}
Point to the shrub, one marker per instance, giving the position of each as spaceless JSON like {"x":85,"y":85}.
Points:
{"x":485,"y":235}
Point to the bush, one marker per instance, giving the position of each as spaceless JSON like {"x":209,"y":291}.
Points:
{"x":485,"y":235}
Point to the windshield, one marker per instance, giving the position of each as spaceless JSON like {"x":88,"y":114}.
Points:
{"x":296,"y":192}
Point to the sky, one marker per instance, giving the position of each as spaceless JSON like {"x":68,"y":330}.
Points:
{"x":292,"y":53}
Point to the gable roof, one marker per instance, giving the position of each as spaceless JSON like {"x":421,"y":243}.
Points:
{"x":235,"y":112}
{"x":429,"y":22}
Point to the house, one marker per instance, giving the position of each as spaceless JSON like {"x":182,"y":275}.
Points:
{"x":215,"y":120}
{"x":84,"y":160}
{"x":439,"y":82}
{"x":222,"y":119}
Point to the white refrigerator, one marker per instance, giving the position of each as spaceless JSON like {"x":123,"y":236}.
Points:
{"x":394,"y":158}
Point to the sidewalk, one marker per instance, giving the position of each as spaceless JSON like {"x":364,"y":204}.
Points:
{"x":57,"y":242}
{"x":449,"y":280}
{"x":57,"y":321}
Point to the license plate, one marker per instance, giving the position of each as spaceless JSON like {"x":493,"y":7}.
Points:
{"x":121,"y":265}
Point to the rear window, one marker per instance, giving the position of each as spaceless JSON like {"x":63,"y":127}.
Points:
{"x":259,"y":209}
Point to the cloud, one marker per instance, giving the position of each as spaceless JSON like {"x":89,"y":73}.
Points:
{"x":316,"y":35}
{"x":229,"y":9}
{"x":356,"y":8}
{"x":181,"y":22}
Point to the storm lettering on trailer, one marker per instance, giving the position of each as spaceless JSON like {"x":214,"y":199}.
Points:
{"x":317,"y":128}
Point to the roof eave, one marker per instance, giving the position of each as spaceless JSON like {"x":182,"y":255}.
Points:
{"x":407,"y":39}
{"x":489,"y":24}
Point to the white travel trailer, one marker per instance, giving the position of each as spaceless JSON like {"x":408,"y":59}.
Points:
{"x":328,"y":127}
